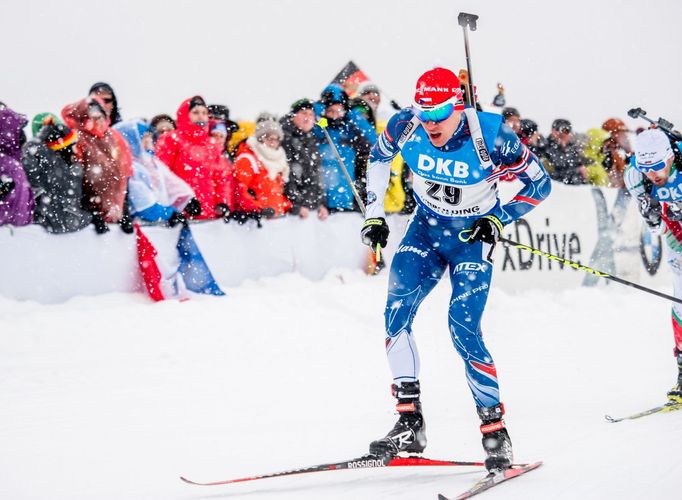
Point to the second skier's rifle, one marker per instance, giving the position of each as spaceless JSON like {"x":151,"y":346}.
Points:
{"x":661,"y":123}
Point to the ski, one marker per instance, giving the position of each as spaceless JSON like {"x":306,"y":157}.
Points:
{"x":493,"y":479}
{"x":363,"y":462}
{"x":665,"y":408}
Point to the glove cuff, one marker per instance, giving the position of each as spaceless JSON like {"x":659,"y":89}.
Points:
{"x":374,"y":221}
{"x":495,"y":221}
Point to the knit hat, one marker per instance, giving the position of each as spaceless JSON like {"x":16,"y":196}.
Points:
{"x":57,"y":136}
{"x":652,"y":150}
{"x":162,"y":118}
{"x":39,"y":120}
{"x":528,"y":127}
{"x":562,"y":125}
{"x":301,"y":104}
{"x":195,"y":101}
{"x":268,"y":127}
{"x":509,"y":111}
{"x":613,"y":125}
{"x":221,"y":113}
{"x":334,"y":94}
{"x":368,"y":88}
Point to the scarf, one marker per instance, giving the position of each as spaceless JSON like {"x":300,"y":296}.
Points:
{"x":274,"y":160}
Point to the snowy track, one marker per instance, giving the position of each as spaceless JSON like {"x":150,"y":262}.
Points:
{"x":113,"y":397}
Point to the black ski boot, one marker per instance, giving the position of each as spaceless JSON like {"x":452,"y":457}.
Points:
{"x":675,"y":394}
{"x":496,"y":441}
{"x":409,"y":432}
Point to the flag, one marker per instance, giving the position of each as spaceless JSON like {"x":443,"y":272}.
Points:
{"x":193,"y":268}
{"x":350,"y":77}
{"x":161,"y":280}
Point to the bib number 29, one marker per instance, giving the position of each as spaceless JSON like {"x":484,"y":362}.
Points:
{"x":449,"y":194}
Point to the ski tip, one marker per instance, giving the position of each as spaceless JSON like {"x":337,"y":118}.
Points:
{"x":610,"y":419}
{"x":442,"y":497}
{"x":188,"y":481}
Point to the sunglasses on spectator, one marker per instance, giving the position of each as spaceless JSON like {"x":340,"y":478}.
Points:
{"x":108,"y":100}
{"x":441,"y":113}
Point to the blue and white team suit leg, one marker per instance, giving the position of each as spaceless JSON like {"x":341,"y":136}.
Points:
{"x":425,"y":253}
{"x":457,"y":156}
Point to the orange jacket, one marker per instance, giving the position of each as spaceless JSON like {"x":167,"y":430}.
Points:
{"x":254,"y":187}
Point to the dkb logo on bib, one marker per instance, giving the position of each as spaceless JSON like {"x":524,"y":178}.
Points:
{"x":450,"y":168}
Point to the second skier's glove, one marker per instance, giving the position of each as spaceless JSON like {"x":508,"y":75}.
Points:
{"x":650,"y":208}
{"x":486,"y":229}
{"x":673,"y":211}
{"x":375,"y":232}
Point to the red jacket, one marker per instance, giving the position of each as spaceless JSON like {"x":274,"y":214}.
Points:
{"x":191,"y":155}
{"x":253,"y":185}
{"x":105,"y":157}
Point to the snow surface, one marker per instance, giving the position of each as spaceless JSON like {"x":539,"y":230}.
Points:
{"x":114,"y":397}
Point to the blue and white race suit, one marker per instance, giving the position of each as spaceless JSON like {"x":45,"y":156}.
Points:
{"x":453,"y":185}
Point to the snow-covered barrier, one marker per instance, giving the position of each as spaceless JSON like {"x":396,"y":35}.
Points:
{"x":588,"y":225}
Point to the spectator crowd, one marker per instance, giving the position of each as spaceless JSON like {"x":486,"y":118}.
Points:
{"x":87,"y":165}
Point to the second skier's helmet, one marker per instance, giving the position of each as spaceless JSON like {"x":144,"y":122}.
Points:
{"x":437,"y":94}
{"x":652,"y":150}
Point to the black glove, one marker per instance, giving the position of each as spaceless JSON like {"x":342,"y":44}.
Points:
{"x":98,"y":221}
{"x":268,"y":212}
{"x":673,"y":212}
{"x":240,"y":217}
{"x":126,"y":224}
{"x":375,"y":232}
{"x":650,"y":208}
{"x":6,"y":187}
{"x":486,"y":229}
{"x":177,"y":218}
{"x":222,"y":210}
{"x":193,"y":207}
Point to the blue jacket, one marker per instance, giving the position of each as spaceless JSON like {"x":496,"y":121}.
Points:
{"x":352,"y":146}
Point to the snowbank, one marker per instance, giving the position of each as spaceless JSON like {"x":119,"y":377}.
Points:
{"x":584,"y":224}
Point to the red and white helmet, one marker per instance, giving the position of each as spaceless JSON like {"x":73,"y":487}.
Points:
{"x":437,"y":94}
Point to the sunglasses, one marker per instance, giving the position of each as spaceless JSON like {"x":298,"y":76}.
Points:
{"x":441,"y":113}
{"x":108,"y":100}
{"x":645,"y":169}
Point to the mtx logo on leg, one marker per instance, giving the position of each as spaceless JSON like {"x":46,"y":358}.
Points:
{"x":470,"y":267}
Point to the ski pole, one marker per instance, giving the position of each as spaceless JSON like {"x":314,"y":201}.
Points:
{"x":468,"y":21}
{"x":587,"y":269}
{"x":322,"y":123}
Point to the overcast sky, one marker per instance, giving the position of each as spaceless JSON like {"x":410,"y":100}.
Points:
{"x":583,"y":60}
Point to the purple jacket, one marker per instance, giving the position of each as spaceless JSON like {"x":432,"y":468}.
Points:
{"x":17,"y":207}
